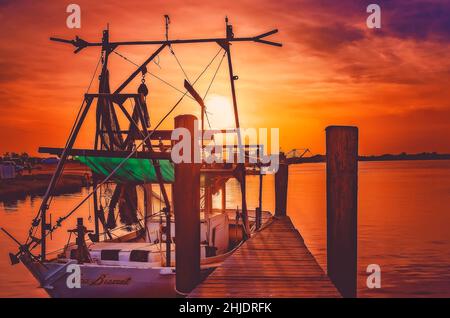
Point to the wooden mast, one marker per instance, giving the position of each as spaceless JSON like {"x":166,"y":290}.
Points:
{"x":44,"y":205}
{"x":103,"y":77}
{"x":240,"y":173}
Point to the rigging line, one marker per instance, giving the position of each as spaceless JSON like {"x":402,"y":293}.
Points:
{"x":109,"y":176}
{"x":125,"y":58}
{"x":167,"y":22}
{"x":157,"y":62}
{"x":151,"y":74}
{"x":214,"y":76}
{"x":179,"y":63}
{"x":210,"y":84}
{"x":167,"y":83}
{"x":87,"y":91}
{"x":78,"y":114}
{"x":33,"y":228}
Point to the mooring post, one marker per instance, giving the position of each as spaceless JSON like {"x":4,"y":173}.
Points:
{"x":186,"y":202}
{"x":258,"y":210}
{"x":148,"y":209}
{"x":224,"y":196}
{"x":342,"y":195}
{"x":208,"y":201}
{"x":281,"y":186}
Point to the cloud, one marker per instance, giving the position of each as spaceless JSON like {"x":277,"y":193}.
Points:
{"x":327,"y":38}
{"x":420,"y":20}
{"x":331,"y":69}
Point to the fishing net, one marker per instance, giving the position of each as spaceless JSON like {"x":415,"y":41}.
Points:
{"x":132,"y":171}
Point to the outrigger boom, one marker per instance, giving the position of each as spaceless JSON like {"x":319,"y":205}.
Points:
{"x":80,"y":44}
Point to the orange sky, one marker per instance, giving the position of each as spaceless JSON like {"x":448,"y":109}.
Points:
{"x":392,"y":83}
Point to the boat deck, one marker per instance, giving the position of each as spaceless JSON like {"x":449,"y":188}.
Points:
{"x":275,"y":262}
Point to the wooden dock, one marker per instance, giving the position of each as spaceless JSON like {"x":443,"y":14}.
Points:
{"x":275,"y":262}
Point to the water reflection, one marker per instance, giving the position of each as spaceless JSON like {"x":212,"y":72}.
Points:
{"x":402,"y":226}
{"x":11,"y":205}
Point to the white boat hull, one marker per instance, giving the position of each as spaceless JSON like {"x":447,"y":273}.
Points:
{"x":100,"y":281}
{"x":111,"y":282}
{"x":123,"y":278}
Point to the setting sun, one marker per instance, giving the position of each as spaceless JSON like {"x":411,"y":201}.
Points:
{"x":220,"y":111}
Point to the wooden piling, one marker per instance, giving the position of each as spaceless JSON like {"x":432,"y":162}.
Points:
{"x":281,"y":186}
{"x":342,"y":189}
{"x":208,"y":201}
{"x":187,"y":214}
{"x":258,"y":211}
{"x":148,"y":208}
{"x":224,"y":196}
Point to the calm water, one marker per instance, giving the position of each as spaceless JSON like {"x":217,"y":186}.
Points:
{"x":404,"y":217}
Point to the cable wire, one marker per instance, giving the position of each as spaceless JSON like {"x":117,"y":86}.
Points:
{"x":151,"y":74}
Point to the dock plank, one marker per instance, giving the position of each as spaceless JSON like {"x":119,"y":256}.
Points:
{"x":275,"y":262}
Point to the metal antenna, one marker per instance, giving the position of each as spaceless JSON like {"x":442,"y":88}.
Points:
{"x":167,"y":21}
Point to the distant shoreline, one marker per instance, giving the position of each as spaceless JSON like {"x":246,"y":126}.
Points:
{"x":385,"y":157}
{"x":36,"y":183}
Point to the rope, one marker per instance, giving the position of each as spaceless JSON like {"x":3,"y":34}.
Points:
{"x":179,"y":63}
{"x":167,"y":22}
{"x":174,"y":87}
{"x":79,"y":113}
{"x":33,"y":229}
{"x":107,"y":178}
{"x":214,"y":76}
{"x":151,"y":74}
{"x":156,"y":61}
{"x":210,"y":84}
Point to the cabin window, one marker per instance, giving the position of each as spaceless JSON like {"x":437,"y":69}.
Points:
{"x":110,"y":255}
{"x":139,"y":256}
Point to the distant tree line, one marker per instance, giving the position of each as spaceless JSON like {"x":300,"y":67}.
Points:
{"x":384,"y":157}
{"x":20,"y":158}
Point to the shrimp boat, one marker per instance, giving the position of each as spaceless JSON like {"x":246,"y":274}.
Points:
{"x":144,"y":255}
